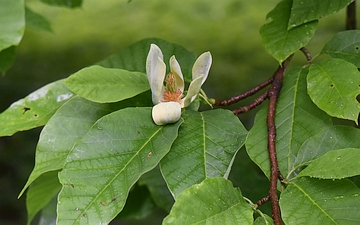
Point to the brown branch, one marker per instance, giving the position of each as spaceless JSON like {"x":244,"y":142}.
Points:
{"x":351,"y":16}
{"x":263,"y":200}
{"x":252,"y":105}
{"x":237,"y":98}
{"x":274,"y":92}
{"x":307,"y":54}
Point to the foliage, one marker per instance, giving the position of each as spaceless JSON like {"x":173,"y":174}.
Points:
{"x":99,"y":145}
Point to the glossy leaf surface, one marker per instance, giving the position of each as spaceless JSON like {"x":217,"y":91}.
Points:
{"x":12,"y":24}
{"x":35,"y":109}
{"x":64,"y":129}
{"x":106,"y":163}
{"x":312,"y":201}
{"x":214,"y":201}
{"x":345,"y":45}
{"x":278,"y":40}
{"x":329,"y":138}
{"x":333,"y":85}
{"x":103,"y":85}
{"x":303,"y":11}
{"x":206,"y":147}
{"x":336,"y":164}
{"x":297,"y":119}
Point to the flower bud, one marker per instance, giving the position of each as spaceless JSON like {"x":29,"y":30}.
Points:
{"x":166,"y":112}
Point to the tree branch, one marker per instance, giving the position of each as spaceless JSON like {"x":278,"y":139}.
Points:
{"x":252,"y":105}
{"x":274,"y":92}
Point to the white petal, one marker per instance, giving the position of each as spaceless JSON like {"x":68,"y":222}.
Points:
{"x":202,"y":66}
{"x":176,"y":70}
{"x":193,"y":91}
{"x":166,"y":112}
{"x":156,"y":70}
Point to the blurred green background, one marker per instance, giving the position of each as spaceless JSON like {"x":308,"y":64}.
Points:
{"x":86,"y":35}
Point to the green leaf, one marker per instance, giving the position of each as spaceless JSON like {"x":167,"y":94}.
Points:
{"x":158,"y":189}
{"x":336,"y":164}
{"x":133,"y":58}
{"x":66,"y":3}
{"x":206,"y":147}
{"x":102,"y":85}
{"x":303,"y":11}
{"x":333,"y":85}
{"x":36,"y":21}
{"x":312,"y":201}
{"x":48,"y":213}
{"x":345,"y":45}
{"x":297,"y":119}
{"x":7,"y":57}
{"x":214,"y":201}
{"x":266,"y":220}
{"x":12,"y":20}
{"x":41,"y":192}
{"x":34,"y":110}
{"x":278,"y":40}
{"x":329,"y":138}
{"x":106,"y":163}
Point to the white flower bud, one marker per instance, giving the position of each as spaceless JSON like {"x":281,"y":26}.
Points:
{"x":166,"y":112}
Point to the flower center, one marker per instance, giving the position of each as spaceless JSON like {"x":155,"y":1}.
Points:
{"x":171,"y":93}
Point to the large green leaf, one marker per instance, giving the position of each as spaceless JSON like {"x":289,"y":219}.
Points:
{"x":336,"y":164}
{"x":133,"y":58}
{"x":66,"y":3}
{"x":297,"y":119}
{"x":12,"y":22}
{"x":214,"y":201}
{"x":107,"y":161}
{"x":278,"y":40}
{"x":345,"y":45}
{"x":68,"y":125}
{"x":311,"y":201}
{"x":303,"y":11}
{"x":333,"y":85}
{"x":102,"y":85}
{"x":329,"y":138}
{"x":36,"y":21}
{"x":41,"y":192}
{"x":206,"y":147}
{"x":34,"y":110}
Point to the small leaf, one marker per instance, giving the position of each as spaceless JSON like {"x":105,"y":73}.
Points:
{"x":206,"y":147}
{"x":102,"y":85}
{"x":278,"y":40}
{"x":214,"y":201}
{"x":158,"y":189}
{"x":297,"y":119}
{"x":41,"y":192}
{"x":329,"y":138}
{"x":345,"y":45}
{"x":333,"y":85}
{"x":12,"y":20}
{"x":7,"y":57}
{"x":133,"y":58}
{"x":107,"y":162}
{"x":336,"y":164}
{"x":303,"y":11}
{"x":36,"y":21}
{"x":312,"y":201}
{"x":65,"y":3}
{"x":34,"y":110}
{"x":67,"y":126}
{"x":265,"y":220}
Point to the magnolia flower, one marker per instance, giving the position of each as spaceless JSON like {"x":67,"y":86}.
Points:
{"x":169,"y":99}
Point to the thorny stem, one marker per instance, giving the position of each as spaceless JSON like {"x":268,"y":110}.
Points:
{"x":274,"y":92}
{"x":351,"y":16}
{"x":237,"y":98}
{"x":252,"y":105}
